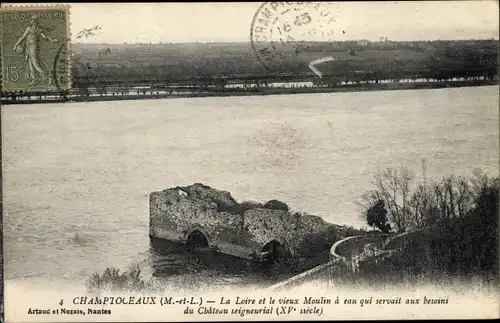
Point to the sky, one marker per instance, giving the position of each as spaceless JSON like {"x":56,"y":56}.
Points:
{"x":226,"y":22}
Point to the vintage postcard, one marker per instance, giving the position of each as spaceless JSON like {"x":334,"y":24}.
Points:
{"x":249,"y":161}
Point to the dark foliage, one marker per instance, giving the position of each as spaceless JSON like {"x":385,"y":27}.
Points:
{"x":276,"y":205}
{"x":241,"y":208}
{"x":376,"y":216}
{"x":112,"y":280}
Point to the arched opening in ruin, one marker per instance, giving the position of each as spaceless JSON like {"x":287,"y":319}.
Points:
{"x":274,"y":251}
{"x":197,"y":239}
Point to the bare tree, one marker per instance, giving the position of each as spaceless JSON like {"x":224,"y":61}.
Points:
{"x":405,"y":179}
{"x":423,"y":207}
{"x":394,"y":188}
{"x":418,"y":203}
{"x":479,"y":180}
{"x":453,"y":197}
{"x":463,"y":197}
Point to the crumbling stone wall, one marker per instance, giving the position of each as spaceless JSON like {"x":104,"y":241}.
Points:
{"x":183,"y":209}
{"x":176,"y":212}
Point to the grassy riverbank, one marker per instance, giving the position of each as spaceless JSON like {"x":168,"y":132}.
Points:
{"x":452,"y":227}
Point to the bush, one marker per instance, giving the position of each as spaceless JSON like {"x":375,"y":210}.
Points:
{"x":376,"y":216}
{"x":240,"y":208}
{"x":112,"y":280}
{"x":276,"y":205}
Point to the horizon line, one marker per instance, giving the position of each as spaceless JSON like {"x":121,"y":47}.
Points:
{"x":310,"y":41}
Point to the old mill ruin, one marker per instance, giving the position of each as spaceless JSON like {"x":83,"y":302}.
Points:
{"x":198,"y":215}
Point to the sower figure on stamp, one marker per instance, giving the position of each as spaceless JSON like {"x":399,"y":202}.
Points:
{"x":35,"y":67}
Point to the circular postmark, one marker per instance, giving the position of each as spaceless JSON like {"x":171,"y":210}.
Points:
{"x":282,"y":29}
{"x":61,"y":71}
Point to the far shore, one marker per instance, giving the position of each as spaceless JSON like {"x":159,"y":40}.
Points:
{"x":197,"y":93}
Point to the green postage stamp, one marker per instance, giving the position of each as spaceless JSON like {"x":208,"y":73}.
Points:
{"x":35,"y":48}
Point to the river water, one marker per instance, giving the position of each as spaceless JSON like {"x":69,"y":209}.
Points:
{"x":76,"y":176}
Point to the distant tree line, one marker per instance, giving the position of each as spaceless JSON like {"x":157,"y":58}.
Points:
{"x":108,"y":69}
{"x":210,"y":66}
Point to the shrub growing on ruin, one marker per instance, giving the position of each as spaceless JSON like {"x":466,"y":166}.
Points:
{"x":276,"y":205}
{"x":240,"y":208}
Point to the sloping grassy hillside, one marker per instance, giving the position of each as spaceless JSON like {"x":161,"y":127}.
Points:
{"x":453,"y":247}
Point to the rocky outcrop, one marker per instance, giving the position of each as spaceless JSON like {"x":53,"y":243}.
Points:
{"x":239,"y":229}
